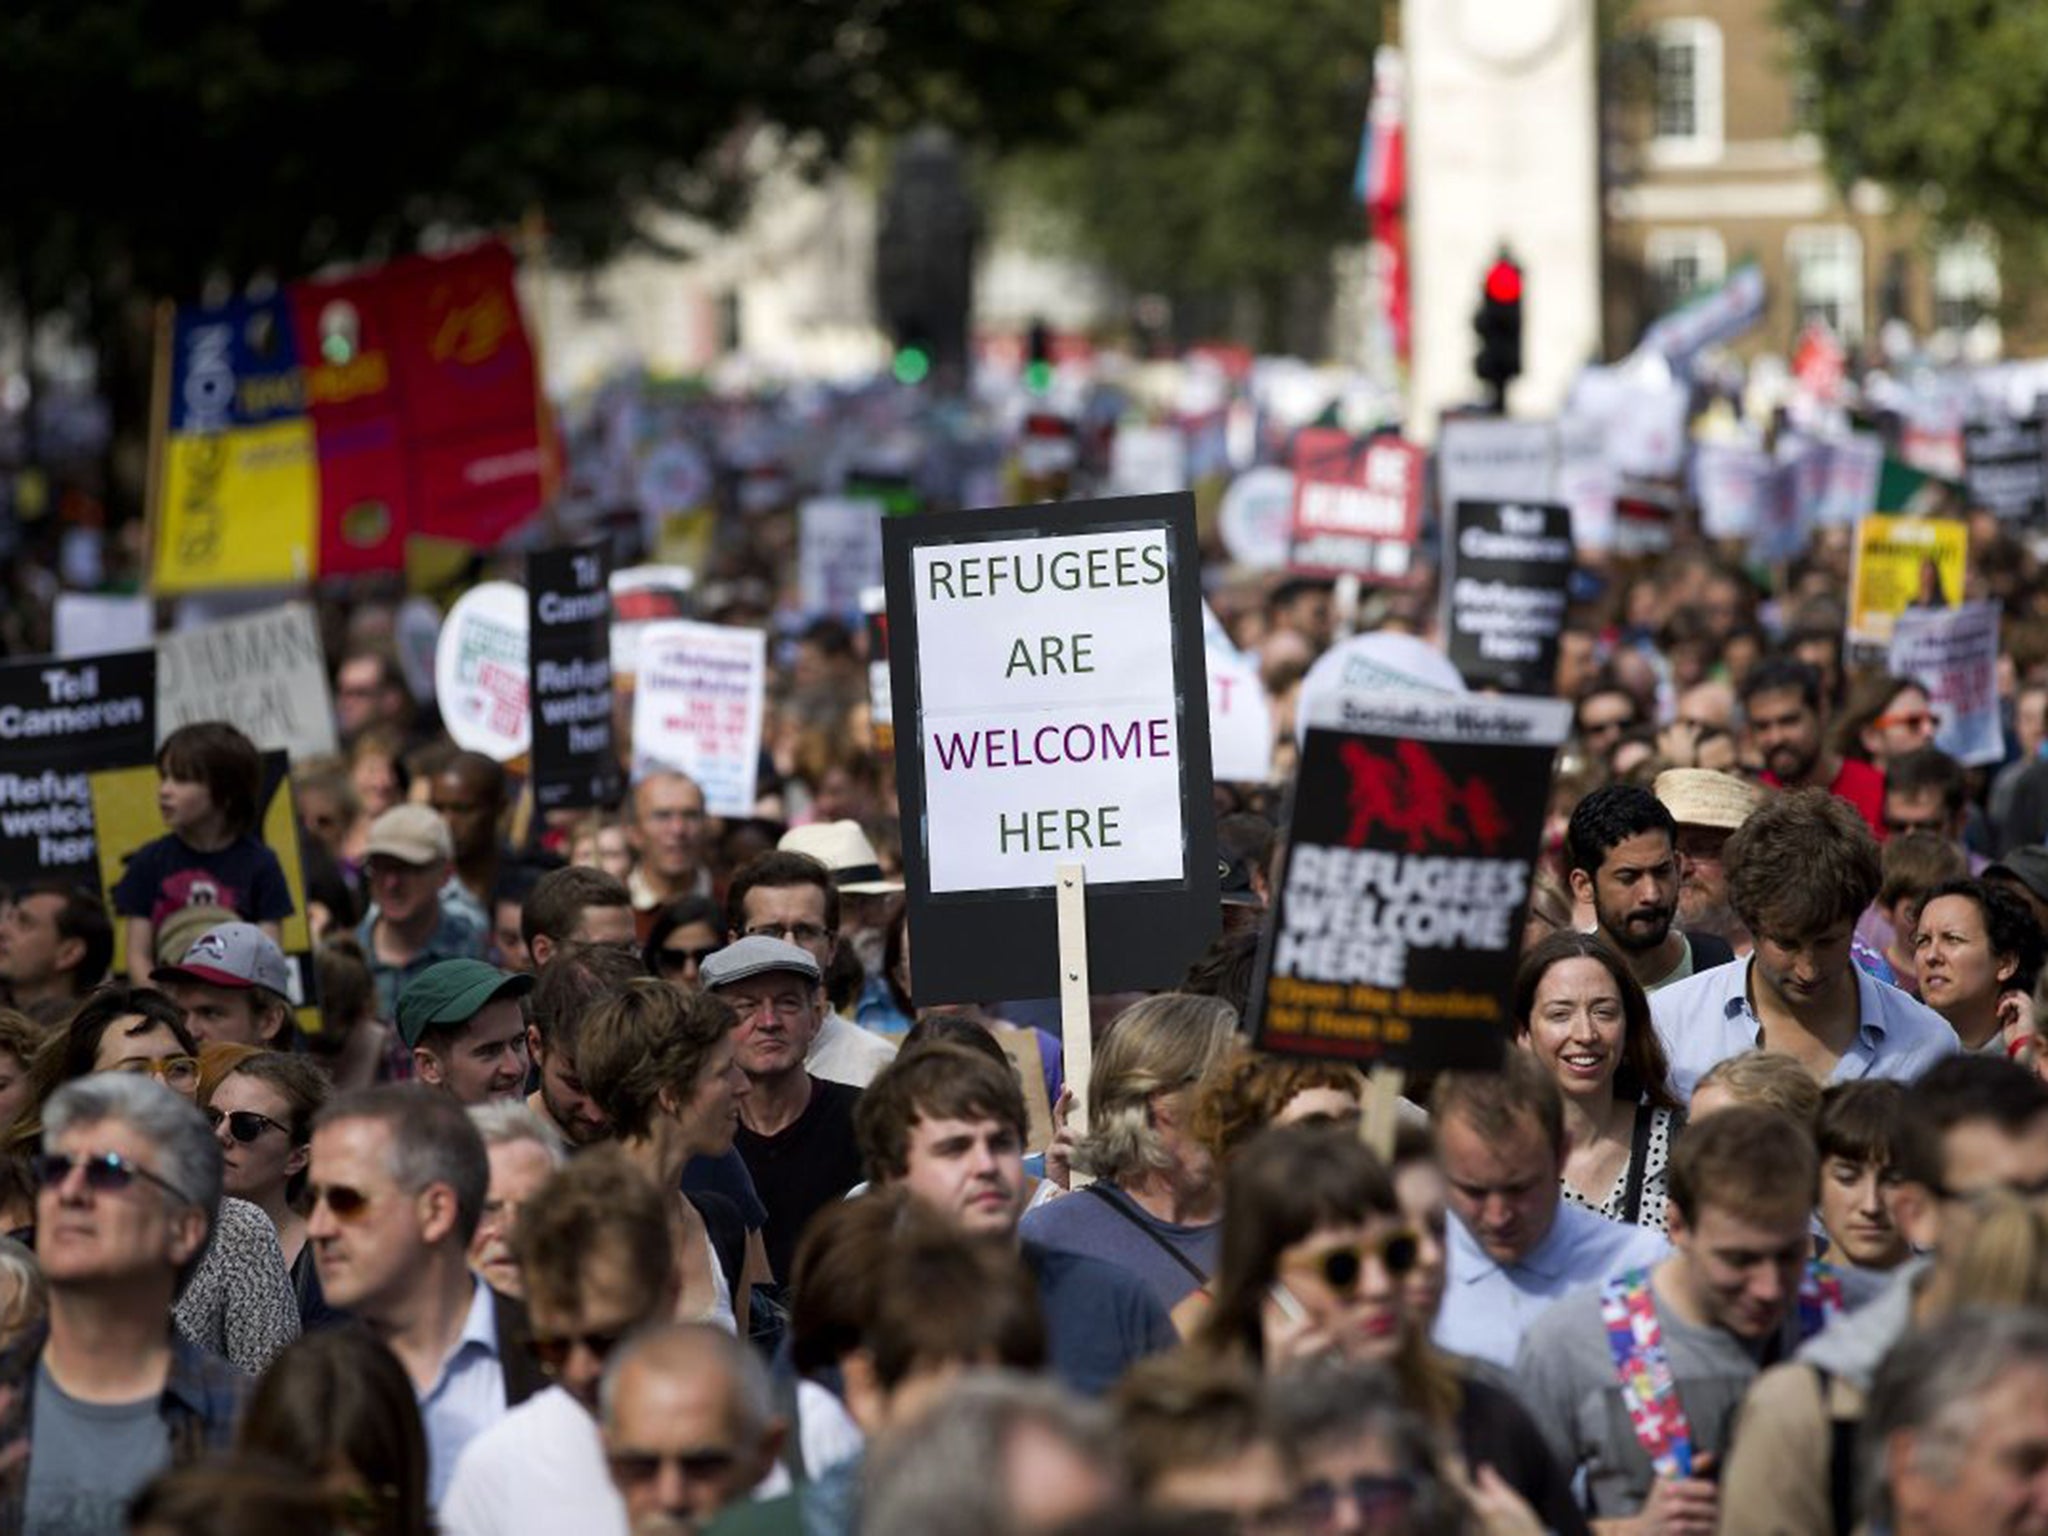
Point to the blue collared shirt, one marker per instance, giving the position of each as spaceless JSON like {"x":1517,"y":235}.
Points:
{"x":1706,"y":1020}
{"x":460,"y":935}
{"x":1488,"y":1306}
{"x":467,"y":1398}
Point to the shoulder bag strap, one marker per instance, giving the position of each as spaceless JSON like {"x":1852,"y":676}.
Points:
{"x":1164,"y":1246}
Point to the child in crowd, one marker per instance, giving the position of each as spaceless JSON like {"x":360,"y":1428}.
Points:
{"x":209,"y":783}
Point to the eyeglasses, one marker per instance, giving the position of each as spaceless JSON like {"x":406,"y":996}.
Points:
{"x":179,"y":1072}
{"x":1377,"y":1499}
{"x":345,"y":1203}
{"x":552,"y":1354}
{"x":639,"y":1468}
{"x":1340,"y":1268}
{"x":796,"y":933}
{"x":245,"y":1125}
{"x":106,"y":1173}
{"x":673,"y":962}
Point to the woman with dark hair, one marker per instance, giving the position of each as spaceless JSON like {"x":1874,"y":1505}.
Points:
{"x":1315,"y":1253}
{"x":262,"y":1112}
{"x":1978,"y":952}
{"x":338,"y":1407}
{"x":1887,"y":716}
{"x":686,"y":933}
{"x":1581,"y":1013}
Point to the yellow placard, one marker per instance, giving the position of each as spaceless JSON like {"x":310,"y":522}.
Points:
{"x":237,"y":509}
{"x":1901,"y":563}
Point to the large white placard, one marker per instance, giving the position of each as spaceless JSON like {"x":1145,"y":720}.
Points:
{"x":839,"y":553}
{"x":697,"y":708}
{"x":1048,"y":709}
{"x":480,"y":671}
{"x":266,"y":675}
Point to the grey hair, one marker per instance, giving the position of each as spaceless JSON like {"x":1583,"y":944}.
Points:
{"x":1157,"y":1045}
{"x":429,"y":1141}
{"x":504,"y":1121}
{"x":1932,"y":1385}
{"x":685,"y":1349}
{"x":31,"y":1292}
{"x":946,"y":1477}
{"x":1328,"y":1404}
{"x":187,"y":1153}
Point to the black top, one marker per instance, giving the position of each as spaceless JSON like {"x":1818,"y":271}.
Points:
{"x":1495,"y":1430}
{"x":803,"y":1168}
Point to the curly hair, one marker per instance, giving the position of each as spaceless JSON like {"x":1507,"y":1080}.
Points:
{"x":1245,"y":1092}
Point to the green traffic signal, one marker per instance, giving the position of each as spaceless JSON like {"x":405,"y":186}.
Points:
{"x":913,"y":365}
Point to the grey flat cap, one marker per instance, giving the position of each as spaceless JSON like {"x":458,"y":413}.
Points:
{"x":755,"y":956}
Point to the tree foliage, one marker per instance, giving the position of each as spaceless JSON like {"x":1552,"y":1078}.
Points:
{"x":1228,"y":168}
{"x":1943,"y":101}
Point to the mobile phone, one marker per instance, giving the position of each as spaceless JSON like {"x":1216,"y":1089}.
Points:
{"x":1290,"y":1307}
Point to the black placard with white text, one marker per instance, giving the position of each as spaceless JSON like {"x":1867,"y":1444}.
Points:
{"x":1507,"y":574}
{"x":570,"y":678}
{"x":59,"y":720}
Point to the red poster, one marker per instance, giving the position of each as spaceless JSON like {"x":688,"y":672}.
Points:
{"x":1357,"y":507}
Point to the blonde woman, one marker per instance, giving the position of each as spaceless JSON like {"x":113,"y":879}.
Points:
{"x":1156,"y":1206}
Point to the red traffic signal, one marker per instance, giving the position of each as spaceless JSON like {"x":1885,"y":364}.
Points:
{"x":1504,"y":282}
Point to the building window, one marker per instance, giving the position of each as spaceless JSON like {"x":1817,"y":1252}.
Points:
{"x":1827,"y":279}
{"x":1685,"y":124}
{"x":1680,"y":263}
{"x":1965,"y":283}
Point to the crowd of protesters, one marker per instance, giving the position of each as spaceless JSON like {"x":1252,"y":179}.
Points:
{"x":622,"y":1181}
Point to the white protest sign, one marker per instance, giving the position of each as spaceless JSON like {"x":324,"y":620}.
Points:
{"x":1953,"y":654}
{"x":697,"y":707}
{"x":1732,"y":482}
{"x":1855,"y":465}
{"x":839,"y":552}
{"x":644,"y":595}
{"x":266,"y":675}
{"x":1257,"y":516}
{"x":1048,"y":706}
{"x":1587,"y":483}
{"x":1381,"y":662}
{"x":1489,"y":458}
{"x":94,"y":623}
{"x":480,"y":671}
{"x":1147,"y":459}
{"x":1240,"y":720}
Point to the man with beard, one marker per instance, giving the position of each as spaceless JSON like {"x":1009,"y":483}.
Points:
{"x":1801,"y":870}
{"x":1622,"y":844}
{"x":1707,"y":807}
{"x":1781,"y":704}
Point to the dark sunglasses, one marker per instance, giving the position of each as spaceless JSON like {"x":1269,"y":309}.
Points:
{"x":639,"y":1468}
{"x":1398,"y":1253}
{"x":1376,"y":1498}
{"x":106,"y":1173}
{"x":672,"y":962}
{"x":346,"y":1204}
{"x":552,"y":1354}
{"x":245,"y":1125}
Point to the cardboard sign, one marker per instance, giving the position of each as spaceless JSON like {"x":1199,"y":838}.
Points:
{"x":697,"y":709}
{"x":839,"y":553}
{"x":266,"y":675}
{"x":1357,"y":508}
{"x":569,"y":615}
{"x":2003,"y":468}
{"x":1953,"y":654}
{"x":1901,"y":563}
{"x":1490,"y":458}
{"x":1508,"y":568}
{"x":1051,"y":708}
{"x":480,"y":671}
{"x":56,"y":720}
{"x":1399,"y":902}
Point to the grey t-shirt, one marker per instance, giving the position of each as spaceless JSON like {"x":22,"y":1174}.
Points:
{"x":1111,"y":1225}
{"x":1565,"y":1376}
{"x":87,"y":1460}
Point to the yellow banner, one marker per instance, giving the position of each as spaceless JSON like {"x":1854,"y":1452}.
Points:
{"x":239,"y":509}
{"x":1901,"y":563}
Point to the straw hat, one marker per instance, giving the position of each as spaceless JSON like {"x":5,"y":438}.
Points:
{"x":1702,"y":797}
{"x":844,"y":849}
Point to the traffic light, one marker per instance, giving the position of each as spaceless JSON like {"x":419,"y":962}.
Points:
{"x":1499,"y":324}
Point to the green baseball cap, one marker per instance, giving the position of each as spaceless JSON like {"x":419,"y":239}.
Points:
{"x":453,"y":992}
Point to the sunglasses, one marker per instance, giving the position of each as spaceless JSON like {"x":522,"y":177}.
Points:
{"x":672,"y":962}
{"x":179,"y":1072}
{"x":1340,"y":1268}
{"x":106,"y":1173}
{"x":551,"y":1354}
{"x":345,"y":1203}
{"x":637,"y":1469}
{"x":1911,"y":720}
{"x":1376,"y":1498}
{"x":245,"y":1125}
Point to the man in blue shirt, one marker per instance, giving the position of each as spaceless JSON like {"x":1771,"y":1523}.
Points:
{"x":1515,"y":1245}
{"x":397,"y":1182}
{"x":1800,"y":872}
